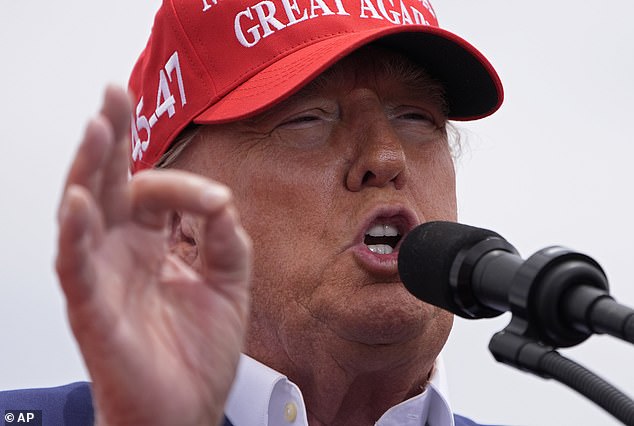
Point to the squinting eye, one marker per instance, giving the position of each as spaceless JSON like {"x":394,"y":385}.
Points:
{"x":300,"y":122}
{"x":416,"y":116}
{"x":306,"y":130}
{"x":415,"y":124}
{"x":301,"y":119}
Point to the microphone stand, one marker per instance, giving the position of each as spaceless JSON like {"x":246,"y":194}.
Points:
{"x":544,"y":361}
{"x":558,"y":298}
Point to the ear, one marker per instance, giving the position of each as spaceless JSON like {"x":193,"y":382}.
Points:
{"x":183,"y":238}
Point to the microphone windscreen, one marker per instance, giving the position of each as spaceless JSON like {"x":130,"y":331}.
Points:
{"x":426,"y":257}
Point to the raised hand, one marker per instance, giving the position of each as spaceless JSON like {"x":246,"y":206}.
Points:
{"x":160,"y":339}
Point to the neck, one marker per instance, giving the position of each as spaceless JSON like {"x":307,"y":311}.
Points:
{"x":359,"y":400}
{"x":355,"y":387}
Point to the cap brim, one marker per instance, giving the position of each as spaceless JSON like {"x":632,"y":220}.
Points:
{"x":472,"y":86}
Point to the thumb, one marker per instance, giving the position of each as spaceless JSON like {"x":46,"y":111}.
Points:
{"x":226,"y":251}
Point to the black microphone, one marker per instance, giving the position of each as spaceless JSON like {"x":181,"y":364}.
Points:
{"x":561,"y":296}
{"x":436,"y":262}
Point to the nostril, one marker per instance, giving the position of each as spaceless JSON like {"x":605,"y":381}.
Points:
{"x":367,"y":177}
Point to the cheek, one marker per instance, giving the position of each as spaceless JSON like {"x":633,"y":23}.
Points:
{"x":285,"y":210}
{"x":286,"y":216}
{"x":433,"y":183}
{"x":284,"y":198}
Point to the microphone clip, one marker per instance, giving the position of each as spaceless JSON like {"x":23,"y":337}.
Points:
{"x":548,"y":296}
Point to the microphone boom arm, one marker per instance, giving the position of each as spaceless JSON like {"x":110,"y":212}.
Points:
{"x":527,"y":355}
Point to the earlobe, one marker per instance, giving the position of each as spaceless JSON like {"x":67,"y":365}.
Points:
{"x":182,"y":240}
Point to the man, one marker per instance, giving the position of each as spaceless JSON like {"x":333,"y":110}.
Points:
{"x":300,"y":141}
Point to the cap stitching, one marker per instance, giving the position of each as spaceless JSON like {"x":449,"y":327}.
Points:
{"x":266,"y":82}
{"x":201,"y":63}
{"x":276,"y":58}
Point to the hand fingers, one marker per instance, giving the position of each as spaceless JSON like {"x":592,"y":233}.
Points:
{"x":101,"y":162}
{"x":81,"y":229}
{"x":90,"y":156}
{"x":226,"y":252}
{"x":156,"y":193}
{"x":116,"y":110}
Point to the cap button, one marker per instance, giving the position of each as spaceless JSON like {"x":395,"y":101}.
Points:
{"x":290,"y":412}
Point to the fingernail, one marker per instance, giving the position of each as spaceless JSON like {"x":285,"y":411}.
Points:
{"x":63,"y":210}
{"x":214,"y":196}
{"x":64,"y":206}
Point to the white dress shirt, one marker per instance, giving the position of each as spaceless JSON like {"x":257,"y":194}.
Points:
{"x":261,"y":396}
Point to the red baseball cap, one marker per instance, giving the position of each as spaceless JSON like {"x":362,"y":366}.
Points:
{"x":215,"y":61}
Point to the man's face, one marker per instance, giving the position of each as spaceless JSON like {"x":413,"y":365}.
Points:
{"x":326,"y":184}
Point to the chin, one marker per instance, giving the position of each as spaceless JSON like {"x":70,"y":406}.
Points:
{"x":393,"y":320}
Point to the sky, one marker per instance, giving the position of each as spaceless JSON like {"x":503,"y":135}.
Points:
{"x":552,"y":167}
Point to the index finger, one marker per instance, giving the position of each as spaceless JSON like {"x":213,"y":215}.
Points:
{"x":116,"y":110}
{"x":156,"y":193}
{"x":90,"y":156}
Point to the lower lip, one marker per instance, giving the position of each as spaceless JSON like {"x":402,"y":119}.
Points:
{"x":385,"y":265}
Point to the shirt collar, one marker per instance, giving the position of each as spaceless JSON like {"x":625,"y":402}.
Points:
{"x":429,"y":408}
{"x":261,"y":396}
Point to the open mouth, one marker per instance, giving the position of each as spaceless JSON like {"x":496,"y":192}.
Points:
{"x":379,"y":238}
{"x":382,"y":237}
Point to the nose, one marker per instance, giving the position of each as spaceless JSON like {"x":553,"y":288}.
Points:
{"x":379,"y":158}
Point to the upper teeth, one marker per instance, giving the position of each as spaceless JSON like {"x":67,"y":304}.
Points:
{"x":380,"y":230}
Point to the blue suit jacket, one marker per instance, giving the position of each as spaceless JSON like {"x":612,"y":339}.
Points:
{"x":71,"y":405}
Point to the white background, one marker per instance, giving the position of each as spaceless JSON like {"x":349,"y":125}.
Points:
{"x":553,"y":166}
